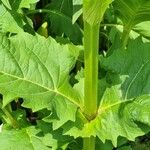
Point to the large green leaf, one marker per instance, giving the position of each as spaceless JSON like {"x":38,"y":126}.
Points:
{"x":116,"y":117}
{"x":37,"y":70}
{"x":132,"y":12}
{"x":26,"y":139}
{"x":125,"y":103}
{"x":135,"y":65}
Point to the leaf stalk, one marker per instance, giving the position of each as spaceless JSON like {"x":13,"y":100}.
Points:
{"x":13,"y":121}
{"x":89,"y":143}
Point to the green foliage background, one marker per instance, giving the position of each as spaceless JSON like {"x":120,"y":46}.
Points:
{"x":42,"y":74}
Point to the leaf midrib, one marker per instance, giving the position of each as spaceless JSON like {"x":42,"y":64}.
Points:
{"x":135,"y":13}
{"x":103,"y":109}
{"x":135,"y":77}
{"x":44,"y":87}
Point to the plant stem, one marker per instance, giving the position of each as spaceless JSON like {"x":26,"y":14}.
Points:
{"x":91,"y":42}
{"x":93,"y":12}
{"x":91,"y":46}
{"x":89,"y":143}
{"x":13,"y":121}
{"x":125,"y":34}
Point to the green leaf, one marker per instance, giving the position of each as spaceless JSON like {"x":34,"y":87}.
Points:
{"x":104,"y":146}
{"x":139,"y":30}
{"x":143,"y":29}
{"x":132,"y":12}
{"x":15,"y":5}
{"x":61,"y":106}
{"x":26,"y":138}
{"x":6,"y":3}
{"x":60,"y":20}
{"x":116,"y":33}
{"x":94,"y":10}
{"x":58,"y":119}
{"x":125,"y":148}
{"x":54,"y":139}
{"x":13,"y":23}
{"x":142,"y":114}
{"x":115,"y":118}
{"x":26,"y":3}
{"x":37,"y":70}
{"x":12,"y":18}
{"x":125,"y":103}
{"x":77,"y":10}
{"x":134,"y":66}
{"x":61,"y":24}
{"x":62,"y":6}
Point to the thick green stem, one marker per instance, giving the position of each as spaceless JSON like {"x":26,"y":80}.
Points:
{"x":91,"y":42}
{"x":93,"y":12}
{"x":91,"y":46}
{"x":89,"y":143}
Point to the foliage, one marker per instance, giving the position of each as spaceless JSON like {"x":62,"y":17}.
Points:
{"x":45,"y":74}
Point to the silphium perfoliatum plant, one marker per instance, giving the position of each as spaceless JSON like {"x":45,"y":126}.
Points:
{"x":76,"y":99}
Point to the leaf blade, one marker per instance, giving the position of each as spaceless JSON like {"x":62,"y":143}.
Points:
{"x":38,"y":71}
